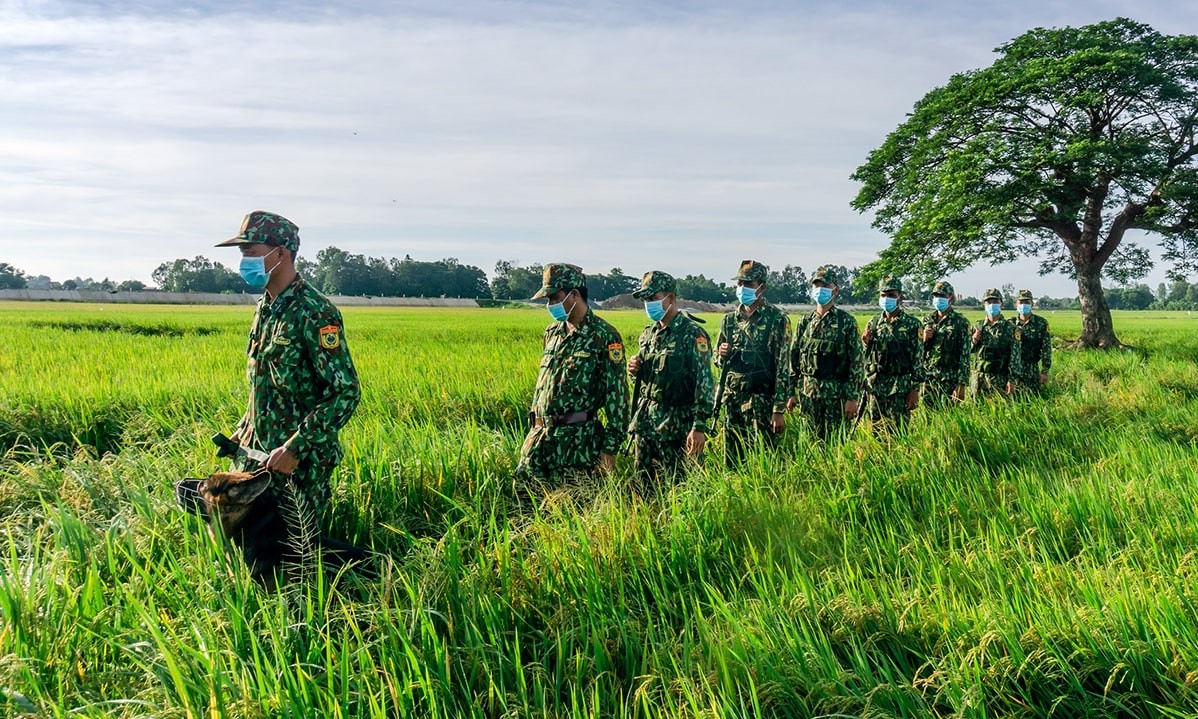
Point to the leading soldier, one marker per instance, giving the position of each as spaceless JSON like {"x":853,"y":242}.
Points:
{"x":753,"y":352}
{"x":996,"y":343}
{"x":579,"y":407}
{"x":672,"y":374}
{"x":946,"y":343}
{"x":825,"y":359}
{"x":1035,"y":345}
{"x":893,"y":357}
{"x":303,"y":386}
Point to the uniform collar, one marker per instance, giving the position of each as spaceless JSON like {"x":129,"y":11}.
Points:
{"x":286,"y":295}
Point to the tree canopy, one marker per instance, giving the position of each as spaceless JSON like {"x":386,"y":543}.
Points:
{"x":1073,"y":137}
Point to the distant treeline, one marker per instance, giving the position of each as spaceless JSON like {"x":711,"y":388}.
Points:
{"x":337,"y":272}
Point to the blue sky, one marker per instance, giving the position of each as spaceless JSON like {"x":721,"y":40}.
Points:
{"x":669,"y":135}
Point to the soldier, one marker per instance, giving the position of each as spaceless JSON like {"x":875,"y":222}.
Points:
{"x":753,"y":352}
{"x":893,"y":357}
{"x":303,"y":386}
{"x":946,"y":343}
{"x":672,"y":372}
{"x":996,"y":343}
{"x":1035,"y":345}
{"x":825,"y":359}
{"x":579,"y":408}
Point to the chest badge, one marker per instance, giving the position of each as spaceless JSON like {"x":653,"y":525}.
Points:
{"x":330,"y":337}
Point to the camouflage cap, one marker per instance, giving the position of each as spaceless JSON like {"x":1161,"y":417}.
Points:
{"x":560,"y":276}
{"x":943,"y":288}
{"x":1025,"y":296}
{"x":827,"y":274}
{"x":266,"y":228}
{"x":992,"y":294}
{"x":752,"y":271}
{"x":653,"y":282}
{"x":890,"y":282}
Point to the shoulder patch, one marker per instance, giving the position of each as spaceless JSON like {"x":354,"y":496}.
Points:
{"x":615,"y":352}
{"x":701,"y":344}
{"x":330,"y":337}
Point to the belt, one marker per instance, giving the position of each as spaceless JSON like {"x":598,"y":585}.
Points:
{"x":557,"y":420}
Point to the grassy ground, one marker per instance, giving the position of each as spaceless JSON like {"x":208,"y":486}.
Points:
{"x":999,"y":560}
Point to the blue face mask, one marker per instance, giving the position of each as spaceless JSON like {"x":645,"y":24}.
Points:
{"x":558,"y":312}
{"x":821,"y":295}
{"x":888,"y":304}
{"x":1024,"y":310}
{"x":253,"y":271}
{"x":746,"y":295}
{"x":993,"y":309}
{"x":940,"y":303}
{"x":655,"y":310}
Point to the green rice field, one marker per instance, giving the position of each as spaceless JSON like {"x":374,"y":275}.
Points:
{"x":1036,"y":558}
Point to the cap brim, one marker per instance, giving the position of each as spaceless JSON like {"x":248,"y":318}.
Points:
{"x":543,"y":292}
{"x":234,"y":241}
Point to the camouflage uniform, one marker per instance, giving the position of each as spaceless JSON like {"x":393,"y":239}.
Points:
{"x":998,"y":354}
{"x":825,"y":363}
{"x":756,"y":377}
{"x":580,"y":403}
{"x":1035,"y":347}
{"x":676,"y":388}
{"x":893,"y":358}
{"x":946,"y":355}
{"x":303,"y":385}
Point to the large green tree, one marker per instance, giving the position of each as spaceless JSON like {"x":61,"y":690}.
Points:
{"x":1071,"y":139}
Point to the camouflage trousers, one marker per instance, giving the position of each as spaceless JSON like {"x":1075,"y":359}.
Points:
{"x":659,"y":459}
{"x":311,"y":481}
{"x":552,"y":455}
{"x":747,"y":423}
{"x":824,"y":414}
{"x":890,"y":408}
{"x":938,"y":393}
{"x":1029,"y":385}
{"x":989,"y":385}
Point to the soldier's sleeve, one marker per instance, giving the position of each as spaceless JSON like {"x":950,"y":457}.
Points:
{"x":1016,"y":353}
{"x":963,"y":355}
{"x":337,"y":392}
{"x":725,"y":336}
{"x":853,"y":388}
{"x":781,"y":349}
{"x":917,"y":349}
{"x":614,"y":391}
{"x":1046,"y":351}
{"x":704,"y":384}
{"x":976,"y":345}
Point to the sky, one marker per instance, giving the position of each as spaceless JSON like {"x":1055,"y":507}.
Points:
{"x":653,"y":134}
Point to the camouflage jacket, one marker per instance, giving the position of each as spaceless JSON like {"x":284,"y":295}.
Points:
{"x":759,"y":362}
{"x":1035,"y":345}
{"x":893,"y":356}
{"x":303,"y":385}
{"x":998,"y":348}
{"x":677,"y":389}
{"x":946,"y":355}
{"x":583,"y":371}
{"x":825,"y":356}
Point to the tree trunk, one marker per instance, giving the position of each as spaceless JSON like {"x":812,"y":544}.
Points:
{"x":1097,"y":328}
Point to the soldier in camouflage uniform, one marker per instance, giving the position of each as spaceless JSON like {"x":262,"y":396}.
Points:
{"x":996,"y":344}
{"x":1035,"y":345}
{"x":946,"y":341}
{"x":303,"y":385}
{"x":579,"y":411}
{"x":825,"y":360}
{"x":893,"y":357}
{"x":753,"y":351}
{"x":672,"y":373}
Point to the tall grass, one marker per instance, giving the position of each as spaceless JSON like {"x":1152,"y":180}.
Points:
{"x":1029,"y":559}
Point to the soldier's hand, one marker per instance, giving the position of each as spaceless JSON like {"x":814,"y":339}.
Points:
{"x":1010,"y":388}
{"x":723,"y":349}
{"x":912,"y":399}
{"x":1043,"y":378}
{"x":778,"y":422}
{"x":850,"y":409}
{"x":607,"y":463}
{"x":792,"y":403}
{"x":928,"y":333}
{"x":695,"y":441}
{"x":977,"y":335}
{"x":959,"y":393}
{"x":282,"y":461}
{"x":867,"y":335}
{"x":634,"y":365}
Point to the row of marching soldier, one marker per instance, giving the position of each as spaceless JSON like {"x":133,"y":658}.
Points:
{"x":828,"y":371}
